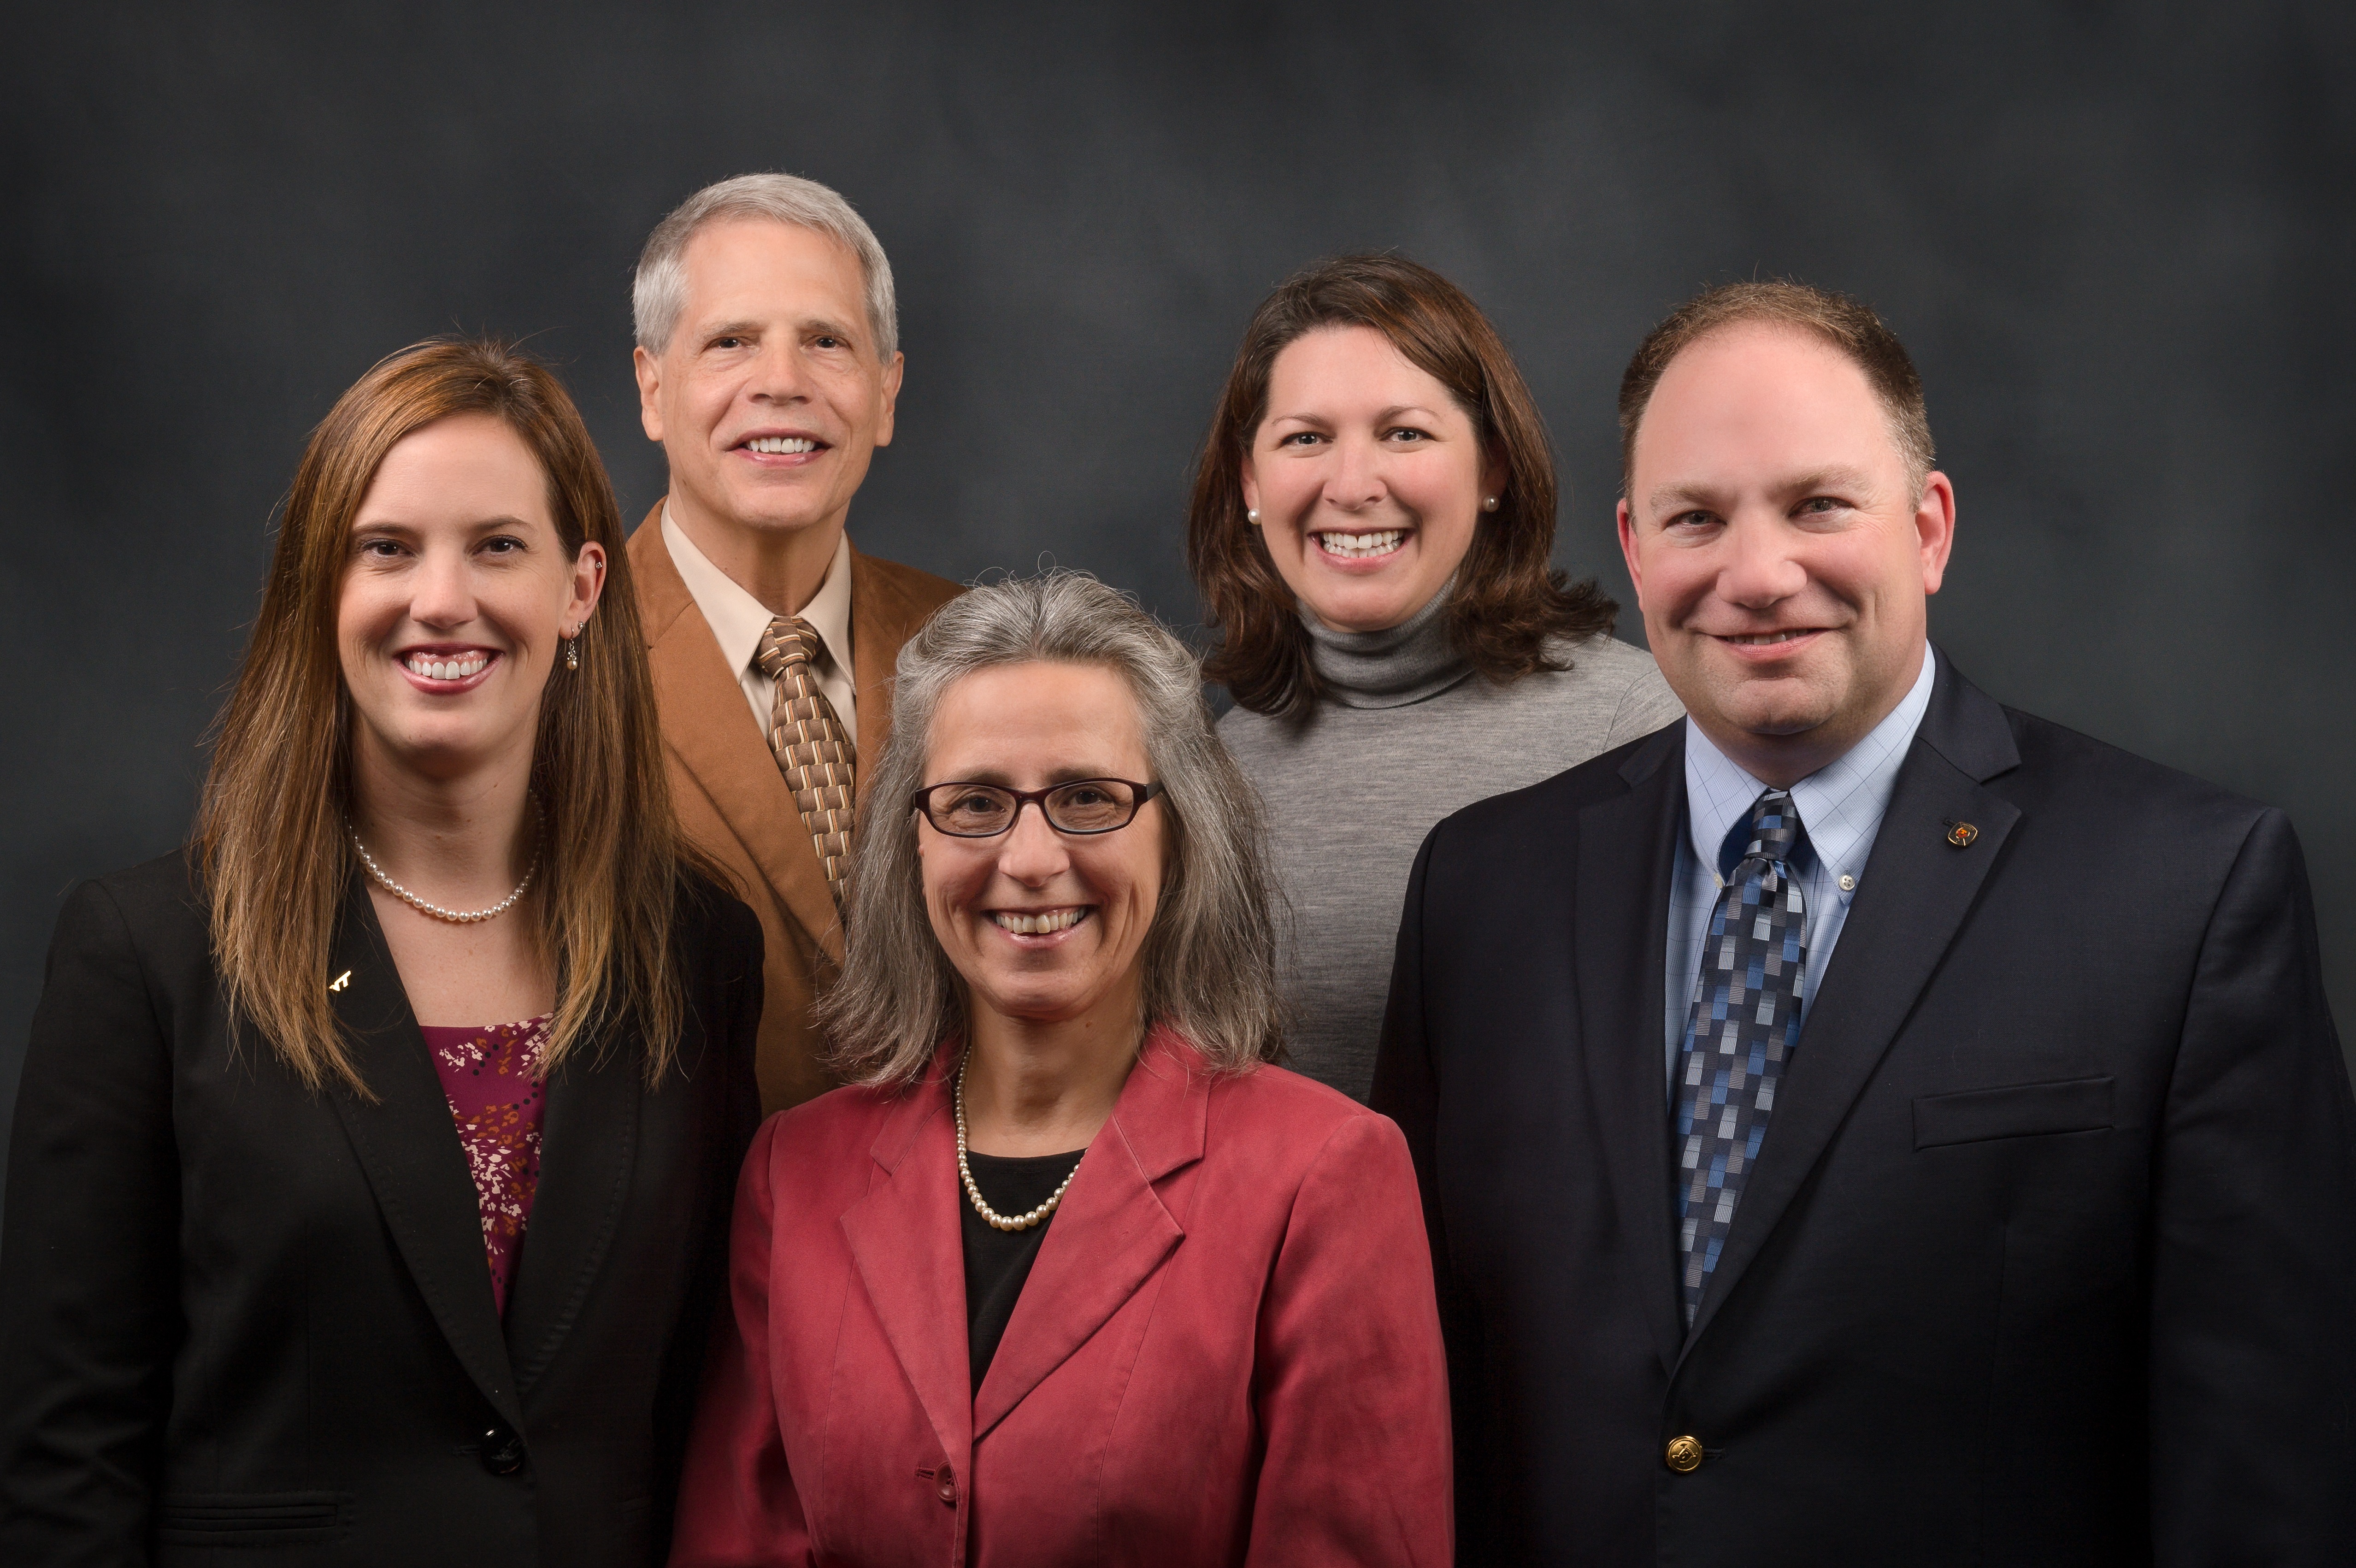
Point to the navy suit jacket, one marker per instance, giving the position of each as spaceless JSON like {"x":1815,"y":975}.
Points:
{"x":2049,"y":1256}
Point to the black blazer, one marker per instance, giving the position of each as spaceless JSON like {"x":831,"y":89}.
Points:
{"x":246,"y":1321}
{"x":2049,"y":1256}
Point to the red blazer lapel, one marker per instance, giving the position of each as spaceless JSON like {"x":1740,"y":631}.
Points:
{"x":903,"y":1237}
{"x":706,"y":725}
{"x":1111,"y":1232}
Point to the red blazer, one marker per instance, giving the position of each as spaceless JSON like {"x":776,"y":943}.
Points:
{"x":1227,"y":1351}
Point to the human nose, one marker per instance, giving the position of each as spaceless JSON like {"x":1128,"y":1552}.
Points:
{"x":1354,"y":480}
{"x":1761,"y":567}
{"x":442,"y":593}
{"x":778,"y":375}
{"x":1031,"y":853}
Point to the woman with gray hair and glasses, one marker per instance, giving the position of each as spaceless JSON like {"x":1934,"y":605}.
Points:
{"x":1068,"y":1274}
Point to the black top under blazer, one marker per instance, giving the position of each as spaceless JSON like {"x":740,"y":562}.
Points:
{"x":248,"y":1322}
{"x":2050,"y":1255}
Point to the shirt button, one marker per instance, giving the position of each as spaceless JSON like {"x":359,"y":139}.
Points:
{"x":1847,"y":884}
{"x":1684,"y":1454}
{"x":949,"y":1486}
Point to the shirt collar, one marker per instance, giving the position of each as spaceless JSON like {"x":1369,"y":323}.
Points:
{"x":739,"y":620}
{"x":1840,"y":804}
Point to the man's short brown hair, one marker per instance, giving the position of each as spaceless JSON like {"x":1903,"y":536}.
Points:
{"x":1849,"y":325}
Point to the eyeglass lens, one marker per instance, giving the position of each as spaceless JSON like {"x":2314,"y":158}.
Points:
{"x":1086,"y":806}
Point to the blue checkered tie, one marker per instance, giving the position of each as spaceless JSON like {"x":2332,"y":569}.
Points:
{"x":1744,"y":1022}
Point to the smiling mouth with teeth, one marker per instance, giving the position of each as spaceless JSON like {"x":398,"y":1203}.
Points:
{"x":781,"y":445}
{"x":1045,"y":923}
{"x":1768,"y":638}
{"x":1360,"y":546}
{"x":448,"y":666}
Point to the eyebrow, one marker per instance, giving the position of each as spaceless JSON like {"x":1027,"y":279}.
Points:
{"x":749,"y":328}
{"x":1380,"y":414}
{"x":1815,"y":481}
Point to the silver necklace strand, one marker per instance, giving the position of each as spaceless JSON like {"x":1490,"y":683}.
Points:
{"x":456,"y":917}
{"x":965,"y":1173}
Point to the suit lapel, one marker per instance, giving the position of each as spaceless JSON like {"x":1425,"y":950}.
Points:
{"x":881,"y":618}
{"x":706,"y":725}
{"x":903,"y":1237}
{"x":588,"y":1150}
{"x":1918,"y":889}
{"x":1621,"y":957}
{"x":1111,"y":1231}
{"x":408,"y":1143}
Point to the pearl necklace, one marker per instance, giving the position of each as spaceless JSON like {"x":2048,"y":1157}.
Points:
{"x":456,"y":917}
{"x":991,"y":1216}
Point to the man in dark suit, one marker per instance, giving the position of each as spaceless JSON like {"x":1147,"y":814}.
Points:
{"x":1861,"y":1123}
{"x":768,"y":366}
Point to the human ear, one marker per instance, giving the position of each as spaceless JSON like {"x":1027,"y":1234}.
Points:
{"x":648,"y":370}
{"x":1934,"y":528}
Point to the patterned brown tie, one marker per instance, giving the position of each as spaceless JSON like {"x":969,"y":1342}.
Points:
{"x":813,"y":750}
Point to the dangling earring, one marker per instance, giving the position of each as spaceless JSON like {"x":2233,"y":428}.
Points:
{"x":1489,"y":505}
{"x":573,"y":649}
{"x":1252,"y":517}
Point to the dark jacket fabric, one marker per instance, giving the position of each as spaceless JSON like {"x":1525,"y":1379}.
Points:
{"x":242,"y":1321}
{"x":2049,"y":1257}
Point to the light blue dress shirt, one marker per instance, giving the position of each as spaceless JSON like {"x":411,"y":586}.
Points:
{"x":1841,"y":806}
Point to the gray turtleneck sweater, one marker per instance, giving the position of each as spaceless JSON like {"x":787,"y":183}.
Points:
{"x":1406,"y":735}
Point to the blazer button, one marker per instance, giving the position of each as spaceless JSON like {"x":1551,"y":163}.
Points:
{"x":1684,"y":1454}
{"x":501,"y":1451}
{"x":949,"y":1486}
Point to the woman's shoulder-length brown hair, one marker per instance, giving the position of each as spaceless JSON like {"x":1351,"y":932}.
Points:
{"x":1510,"y":602}
{"x":270,"y":847}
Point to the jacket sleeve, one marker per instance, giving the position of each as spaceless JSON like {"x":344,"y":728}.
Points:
{"x":2253,"y":1235}
{"x":1351,"y":1390}
{"x":89,"y":1259}
{"x":737,"y":1504}
{"x":732,"y":1008}
{"x":1406,"y":1090}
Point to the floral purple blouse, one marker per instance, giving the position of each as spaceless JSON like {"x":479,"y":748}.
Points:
{"x":488,"y":1075}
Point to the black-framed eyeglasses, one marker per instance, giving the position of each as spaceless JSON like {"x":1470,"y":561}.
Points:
{"x":985,"y":810}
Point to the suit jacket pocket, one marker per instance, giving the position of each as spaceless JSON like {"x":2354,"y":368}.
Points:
{"x":2021,"y":1110}
{"x":253,"y":1518}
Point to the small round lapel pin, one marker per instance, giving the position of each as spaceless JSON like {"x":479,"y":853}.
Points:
{"x":1961,"y":835}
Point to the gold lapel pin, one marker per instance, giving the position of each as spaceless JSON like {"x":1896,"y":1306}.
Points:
{"x":1961,"y":835}
{"x":340,"y":981}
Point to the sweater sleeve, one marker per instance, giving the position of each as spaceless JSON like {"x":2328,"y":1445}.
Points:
{"x":1645,"y":705}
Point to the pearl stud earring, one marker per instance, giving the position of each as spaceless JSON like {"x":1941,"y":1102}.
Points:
{"x":1252,"y":517}
{"x":1490,"y":504}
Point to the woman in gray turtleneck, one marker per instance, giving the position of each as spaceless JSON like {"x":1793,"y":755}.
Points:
{"x":1371,"y":528}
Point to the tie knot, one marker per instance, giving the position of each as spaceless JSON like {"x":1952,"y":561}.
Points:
{"x":1774,"y":827}
{"x":789,"y":640}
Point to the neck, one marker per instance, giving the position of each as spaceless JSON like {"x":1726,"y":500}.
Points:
{"x":463,"y":841}
{"x":782,"y":567}
{"x":1033,"y":1088}
{"x":1391,"y":668}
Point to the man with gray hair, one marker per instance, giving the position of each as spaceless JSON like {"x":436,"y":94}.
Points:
{"x":768,"y":365}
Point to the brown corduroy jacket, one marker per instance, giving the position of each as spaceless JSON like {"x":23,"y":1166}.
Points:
{"x":733,"y":802}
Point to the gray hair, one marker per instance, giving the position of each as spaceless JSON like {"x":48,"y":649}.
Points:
{"x":1209,"y":960}
{"x":659,"y":289}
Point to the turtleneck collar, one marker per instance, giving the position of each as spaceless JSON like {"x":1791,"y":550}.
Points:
{"x":1391,"y":668}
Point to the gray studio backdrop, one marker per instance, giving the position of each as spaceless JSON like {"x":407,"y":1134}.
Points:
{"x":2118,"y":241}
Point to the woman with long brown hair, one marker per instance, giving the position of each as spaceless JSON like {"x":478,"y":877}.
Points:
{"x":368,"y":1194}
{"x":1372,"y":528}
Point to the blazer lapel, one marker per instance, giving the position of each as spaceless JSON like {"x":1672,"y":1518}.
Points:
{"x":903,"y":1237}
{"x":1620,"y":951}
{"x":589,"y":1145}
{"x":408,"y":1143}
{"x":1917,"y":891}
{"x":705,"y":724}
{"x":882,"y":616}
{"x":1110,"y":1232}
